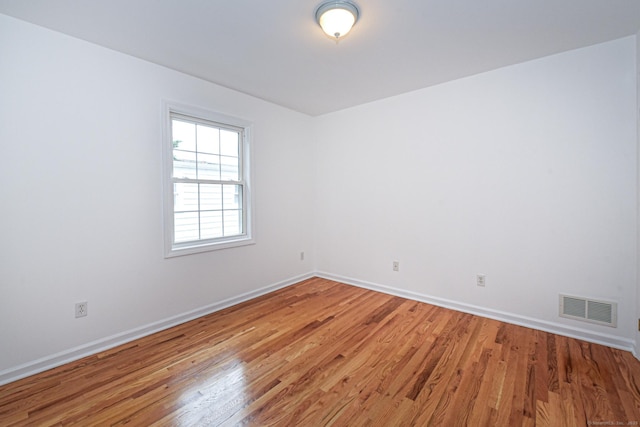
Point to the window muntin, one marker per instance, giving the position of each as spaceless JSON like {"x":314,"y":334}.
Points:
{"x":208,"y":180}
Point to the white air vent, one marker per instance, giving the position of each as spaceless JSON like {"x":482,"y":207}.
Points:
{"x":600,"y":312}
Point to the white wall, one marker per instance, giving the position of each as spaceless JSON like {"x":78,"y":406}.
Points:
{"x":526,"y":174}
{"x":637,"y":70}
{"x":81,"y":207}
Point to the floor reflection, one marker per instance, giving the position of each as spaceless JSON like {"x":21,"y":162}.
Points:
{"x":214,"y":399}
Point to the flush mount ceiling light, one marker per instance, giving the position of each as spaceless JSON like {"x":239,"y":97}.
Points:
{"x":337,"y":17}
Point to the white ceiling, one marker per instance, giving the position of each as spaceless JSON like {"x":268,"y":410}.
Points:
{"x":274,"y":50}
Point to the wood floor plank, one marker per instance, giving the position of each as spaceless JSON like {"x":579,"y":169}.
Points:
{"x":322,"y":353}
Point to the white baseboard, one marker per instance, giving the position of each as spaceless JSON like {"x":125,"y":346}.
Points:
{"x":55,"y":360}
{"x":554,"y":328}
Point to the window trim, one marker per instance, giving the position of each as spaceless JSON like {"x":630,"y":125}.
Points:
{"x":172,"y":249}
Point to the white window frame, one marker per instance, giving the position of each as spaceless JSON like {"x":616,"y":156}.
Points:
{"x":171,"y":248}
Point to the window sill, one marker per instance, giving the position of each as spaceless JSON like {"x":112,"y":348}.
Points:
{"x":195,"y":248}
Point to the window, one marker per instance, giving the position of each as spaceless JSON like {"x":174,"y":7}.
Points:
{"x":207,"y":192}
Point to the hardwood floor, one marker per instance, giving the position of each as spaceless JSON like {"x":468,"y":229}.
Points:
{"x":324,"y":353}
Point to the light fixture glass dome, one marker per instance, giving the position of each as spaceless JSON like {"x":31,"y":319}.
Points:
{"x":337,"y":17}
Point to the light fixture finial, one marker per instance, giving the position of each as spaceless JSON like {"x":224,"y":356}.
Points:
{"x":337,"y":17}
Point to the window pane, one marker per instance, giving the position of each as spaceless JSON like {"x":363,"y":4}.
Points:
{"x":232,"y":223}
{"x":186,"y":226}
{"x":183,"y":135}
{"x":231,"y":197}
{"x":210,"y":197}
{"x":207,"y":176}
{"x":211,"y":225}
{"x":208,"y":139}
{"x":208,"y":166}
{"x":185,"y":197}
{"x":229,"y":141}
{"x":184,"y":164}
{"x":229,"y":168}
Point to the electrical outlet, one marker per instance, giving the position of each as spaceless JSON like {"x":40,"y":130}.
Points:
{"x":302,"y":256}
{"x":81,"y":309}
{"x":396,"y":265}
{"x":480,"y":280}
